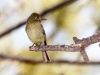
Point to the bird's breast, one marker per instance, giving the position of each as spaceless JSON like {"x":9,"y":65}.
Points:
{"x":35,"y":33}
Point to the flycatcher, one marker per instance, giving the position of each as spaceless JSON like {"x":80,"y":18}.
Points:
{"x":36,"y":33}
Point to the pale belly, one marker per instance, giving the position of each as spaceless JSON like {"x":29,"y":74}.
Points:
{"x":35,"y":35}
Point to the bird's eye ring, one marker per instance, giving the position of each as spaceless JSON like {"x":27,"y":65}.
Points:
{"x":36,"y":18}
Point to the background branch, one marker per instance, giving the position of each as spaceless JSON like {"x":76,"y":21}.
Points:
{"x":33,"y":61}
{"x":67,"y":2}
{"x":11,"y":29}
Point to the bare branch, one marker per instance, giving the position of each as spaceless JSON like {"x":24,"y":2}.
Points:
{"x":34,"y":61}
{"x":67,"y":48}
{"x":80,"y":45}
{"x":42,"y":14}
{"x":86,"y":42}
{"x":89,"y":40}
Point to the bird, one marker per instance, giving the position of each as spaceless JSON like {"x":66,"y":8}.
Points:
{"x":36,"y":33}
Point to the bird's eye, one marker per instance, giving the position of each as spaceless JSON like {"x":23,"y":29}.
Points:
{"x":36,"y":18}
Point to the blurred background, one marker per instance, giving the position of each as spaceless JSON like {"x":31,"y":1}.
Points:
{"x":79,"y":18}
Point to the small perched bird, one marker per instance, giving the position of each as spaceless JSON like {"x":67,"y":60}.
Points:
{"x":36,"y":33}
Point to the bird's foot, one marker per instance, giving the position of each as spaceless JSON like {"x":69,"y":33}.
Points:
{"x":38,"y":47}
{"x":31,"y":46}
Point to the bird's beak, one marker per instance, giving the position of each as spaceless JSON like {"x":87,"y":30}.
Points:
{"x":44,"y":19}
{"x":40,"y":19}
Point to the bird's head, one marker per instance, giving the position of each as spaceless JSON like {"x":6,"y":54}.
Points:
{"x":34,"y":17}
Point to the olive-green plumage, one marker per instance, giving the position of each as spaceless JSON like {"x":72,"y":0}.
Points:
{"x":36,"y":33}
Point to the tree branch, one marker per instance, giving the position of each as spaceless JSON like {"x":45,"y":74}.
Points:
{"x":67,"y":48}
{"x":42,"y":14}
{"x":79,"y":45}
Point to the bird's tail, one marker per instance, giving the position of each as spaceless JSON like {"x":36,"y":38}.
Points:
{"x":45,"y":55}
